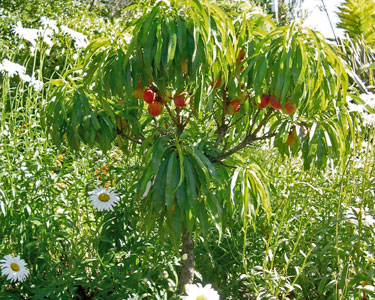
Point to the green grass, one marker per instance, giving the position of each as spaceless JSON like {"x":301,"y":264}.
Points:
{"x":310,"y":249}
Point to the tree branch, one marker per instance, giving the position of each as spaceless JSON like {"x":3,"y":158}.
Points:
{"x":266,"y":136}
{"x":189,"y":117}
{"x":249,"y":138}
{"x":262,"y":123}
{"x":119,"y":132}
{"x":91,"y":5}
{"x":221,"y":128}
{"x":239,"y":119}
{"x":253,"y":123}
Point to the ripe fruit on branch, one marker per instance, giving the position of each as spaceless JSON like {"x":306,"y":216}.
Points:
{"x":155,"y":108}
{"x":289,"y":108}
{"x":242,"y":97}
{"x":218,"y":83}
{"x":181,"y":100}
{"x":241,"y":54}
{"x":275,"y":102}
{"x":138,"y":93}
{"x":240,"y":58}
{"x":292,"y":137}
{"x":233,"y":107}
{"x":264,"y":102}
{"x":184,"y":66}
{"x":149,"y":96}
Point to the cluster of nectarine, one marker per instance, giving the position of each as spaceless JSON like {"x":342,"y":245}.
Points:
{"x":155,"y":102}
{"x":235,"y":105}
{"x":267,"y":100}
{"x":155,"y":105}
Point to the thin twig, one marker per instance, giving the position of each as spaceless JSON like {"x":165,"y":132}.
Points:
{"x":189,"y":117}
{"x":262,"y":123}
{"x":91,"y":5}
{"x":128,"y":137}
{"x":266,"y":136}
{"x":253,"y":123}
{"x":329,"y":20}
{"x":239,"y":119}
{"x":225,"y":165}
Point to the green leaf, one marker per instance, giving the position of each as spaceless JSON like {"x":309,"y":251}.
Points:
{"x":191,"y":187}
{"x":159,"y":46}
{"x":171,"y":181}
{"x":172,"y":43}
{"x":159,"y":149}
{"x":147,"y":22}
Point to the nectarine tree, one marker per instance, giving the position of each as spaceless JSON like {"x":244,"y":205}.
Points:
{"x":190,"y":177}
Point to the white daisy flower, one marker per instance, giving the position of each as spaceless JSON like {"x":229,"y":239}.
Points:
{"x":47,"y":23}
{"x":79,"y":38}
{"x":356,"y":107}
{"x":369,"y":99}
{"x":133,"y":297}
{"x":103,"y":199}
{"x":369,"y":119}
{"x":198,"y":292}
{"x":14,"y":268}
{"x":47,"y":34}
{"x":29,"y":34}
{"x":368,"y":221}
{"x":12,"y":68}
{"x":35,"y":83}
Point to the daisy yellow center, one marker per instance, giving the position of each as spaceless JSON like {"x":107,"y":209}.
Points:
{"x":104,"y":197}
{"x":14,"y":267}
{"x":201,"y":298}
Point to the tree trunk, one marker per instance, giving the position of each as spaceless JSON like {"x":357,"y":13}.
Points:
{"x":187,"y":266}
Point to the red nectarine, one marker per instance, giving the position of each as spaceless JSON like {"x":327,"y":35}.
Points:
{"x":241,"y":54}
{"x":155,"y":108}
{"x":264,"y":102}
{"x":275,"y":102}
{"x":181,"y":100}
{"x":149,"y":96}
{"x":217,"y":84}
{"x":289,"y":108}
{"x":233,"y":107}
